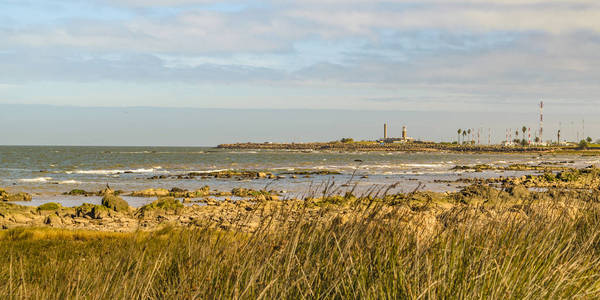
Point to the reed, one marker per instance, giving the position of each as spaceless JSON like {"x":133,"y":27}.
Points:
{"x":536,"y":251}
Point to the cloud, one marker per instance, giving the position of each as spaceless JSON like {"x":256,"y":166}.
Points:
{"x":473,"y":49}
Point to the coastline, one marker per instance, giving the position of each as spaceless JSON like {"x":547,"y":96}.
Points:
{"x":405,"y":147}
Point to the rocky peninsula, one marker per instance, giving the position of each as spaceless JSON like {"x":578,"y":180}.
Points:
{"x":405,"y":147}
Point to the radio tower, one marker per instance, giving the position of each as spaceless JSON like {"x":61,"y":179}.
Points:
{"x":541,"y":121}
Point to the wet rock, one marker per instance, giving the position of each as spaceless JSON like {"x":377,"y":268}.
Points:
{"x":177,"y":190}
{"x":78,"y":192}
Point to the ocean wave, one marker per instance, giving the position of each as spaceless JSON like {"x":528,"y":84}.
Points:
{"x":438,"y":165}
{"x":242,"y":152}
{"x":38,"y":179}
{"x":69,"y":182}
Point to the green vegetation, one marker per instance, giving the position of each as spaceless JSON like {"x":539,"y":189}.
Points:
{"x":524,"y":251}
{"x":347,"y":140}
{"x":583,"y":144}
{"x":49,"y":206}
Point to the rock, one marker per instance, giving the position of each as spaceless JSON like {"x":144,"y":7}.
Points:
{"x":49,"y":206}
{"x":19,"y":218}
{"x":99,"y":212}
{"x":177,"y":190}
{"x":164,"y":204}
{"x":212,"y":202}
{"x":151,"y":193}
{"x":261,"y":175}
{"x":53,"y":220}
{"x":519,"y":191}
{"x":84,"y":210}
{"x":78,"y":192}
{"x":115,"y":203}
{"x":106,"y":191}
{"x":92,"y":211}
{"x":5,"y":196}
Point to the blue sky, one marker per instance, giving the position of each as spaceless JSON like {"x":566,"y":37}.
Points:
{"x":397,"y":55}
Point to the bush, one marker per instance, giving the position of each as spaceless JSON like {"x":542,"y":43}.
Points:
{"x":583,"y":144}
{"x":347,"y":140}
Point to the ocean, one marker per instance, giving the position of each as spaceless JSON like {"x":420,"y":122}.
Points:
{"x":47,"y":172}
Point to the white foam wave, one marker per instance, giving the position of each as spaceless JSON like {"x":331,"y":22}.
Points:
{"x":69,"y":182}
{"x":424,"y":165}
{"x":38,"y":179}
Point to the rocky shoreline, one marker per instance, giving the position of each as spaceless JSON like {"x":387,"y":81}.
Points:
{"x":408,"y":147}
{"x":500,"y":197}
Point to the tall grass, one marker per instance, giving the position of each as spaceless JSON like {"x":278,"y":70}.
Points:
{"x":531,"y":252}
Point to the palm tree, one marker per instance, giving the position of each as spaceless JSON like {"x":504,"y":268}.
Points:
{"x":464,"y":134}
{"x":524,"y":129}
{"x":470,"y":136}
{"x":459,"y":133}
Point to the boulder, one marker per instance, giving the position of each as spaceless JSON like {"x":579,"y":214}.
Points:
{"x":115,"y":203}
{"x":53,"y":220}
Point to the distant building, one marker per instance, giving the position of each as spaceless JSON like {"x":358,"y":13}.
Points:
{"x":389,"y":140}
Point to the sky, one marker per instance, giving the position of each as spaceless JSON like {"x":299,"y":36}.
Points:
{"x":493,"y":56}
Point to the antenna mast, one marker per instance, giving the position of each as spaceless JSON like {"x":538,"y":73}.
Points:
{"x":541,"y":121}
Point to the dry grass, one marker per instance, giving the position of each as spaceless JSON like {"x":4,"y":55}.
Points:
{"x":519,"y":253}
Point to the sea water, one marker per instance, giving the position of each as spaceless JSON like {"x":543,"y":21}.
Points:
{"x":47,"y":172}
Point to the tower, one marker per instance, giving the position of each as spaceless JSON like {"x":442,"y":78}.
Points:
{"x":404,"y":132}
{"x":541,"y":121}
{"x":385,"y":131}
